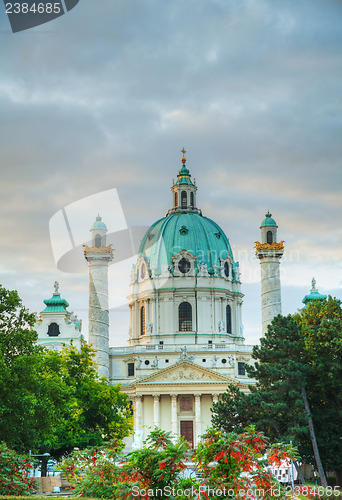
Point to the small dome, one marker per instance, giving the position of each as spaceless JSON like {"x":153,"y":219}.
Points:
{"x":98,"y":224}
{"x":55,"y":304}
{"x":314,"y":294}
{"x":268,"y":221}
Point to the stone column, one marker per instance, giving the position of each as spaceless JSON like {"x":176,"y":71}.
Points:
{"x":215,"y":397}
{"x":198,"y":425}
{"x":156,"y":410}
{"x":270,"y":287}
{"x":138,"y":422}
{"x":174,"y":427}
{"x":98,"y":307}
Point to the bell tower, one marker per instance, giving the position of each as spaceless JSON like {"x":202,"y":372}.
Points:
{"x":98,"y":256}
{"x":269,"y":252}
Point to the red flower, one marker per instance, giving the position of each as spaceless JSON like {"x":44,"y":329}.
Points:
{"x":162,"y":465}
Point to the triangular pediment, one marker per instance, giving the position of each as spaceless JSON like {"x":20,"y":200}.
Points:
{"x":184,"y":372}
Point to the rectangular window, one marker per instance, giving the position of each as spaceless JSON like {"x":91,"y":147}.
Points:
{"x":131,"y":369}
{"x":241,"y":369}
{"x":186,"y":403}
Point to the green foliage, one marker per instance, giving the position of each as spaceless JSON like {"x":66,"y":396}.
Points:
{"x":236,"y":462}
{"x":300,"y":351}
{"x":14,"y":470}
{"x":93,"y":412}
{"x":49,"y":401}
{"x":25,"y":397}
{"x":321,"y":323}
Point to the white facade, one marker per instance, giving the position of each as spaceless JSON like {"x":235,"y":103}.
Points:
{"x":57,"y":326}
{"x":185,"y":337}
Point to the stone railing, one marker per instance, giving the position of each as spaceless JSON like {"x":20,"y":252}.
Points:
{"x":177,"y":348}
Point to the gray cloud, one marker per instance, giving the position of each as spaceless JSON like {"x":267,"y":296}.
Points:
{"x":107,"y":95}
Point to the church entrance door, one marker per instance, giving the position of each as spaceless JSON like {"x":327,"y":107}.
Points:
{"x":187,"y":431}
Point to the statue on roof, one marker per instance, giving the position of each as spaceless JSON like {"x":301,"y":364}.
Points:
{"x":56,"y":286}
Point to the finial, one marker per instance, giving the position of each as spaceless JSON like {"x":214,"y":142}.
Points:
{"x":313,"y":284}
{"x":268,"y":214}
{"x":98,"y":217}
{"x":56,"y":286}
{"x":183,"y":157}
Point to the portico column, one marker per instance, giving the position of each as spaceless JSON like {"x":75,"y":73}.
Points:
{"x":174,"y":415}
{"x":198,"y":430}
{"x":156,"y":410}
{"x":215,"y":397}
{"x":138,"y":421}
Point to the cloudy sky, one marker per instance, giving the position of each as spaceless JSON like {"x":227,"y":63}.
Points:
{"x":106,"y":96}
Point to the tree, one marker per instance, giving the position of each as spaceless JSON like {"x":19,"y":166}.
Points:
{"x":26,"y":412}
{"x":321,"y":323}
{"x":95,"y":412}
{"x":236,"y":464}
{"x":50,"y":401}
{"x":278,"y":402}
{"x":144,"y":473}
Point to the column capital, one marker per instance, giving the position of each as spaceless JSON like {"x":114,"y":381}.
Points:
{"x":174,"y":396}
{"x":197,"y":394}
{"x":137,"y":397}
{"x":156,"y":396}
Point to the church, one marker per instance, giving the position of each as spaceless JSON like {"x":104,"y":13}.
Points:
{"x":186,"y":339}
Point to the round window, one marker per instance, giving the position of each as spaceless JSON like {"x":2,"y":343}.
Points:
{"x":224,"y":361}
{"x":147,"y":362}
{"x":226,"y":269}
{"x":184,"y":265}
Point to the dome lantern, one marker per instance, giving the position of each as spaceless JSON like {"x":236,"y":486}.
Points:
{"x":183,"y":190}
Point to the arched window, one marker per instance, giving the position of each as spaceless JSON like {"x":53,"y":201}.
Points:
{"x":269,"y":237}
{"x":176,"y":199}
{"x":226,"y":269}
{"x":192,"y":199}
{"x":229,"y":319}
{"x":184,"y":201}
{"x":185,"y":317}
{"x":53,"y":330}
{"x":142,"y":321}
{"x":98,"y":241}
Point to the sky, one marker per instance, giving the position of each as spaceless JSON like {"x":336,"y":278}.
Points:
{"x":105,"y":97}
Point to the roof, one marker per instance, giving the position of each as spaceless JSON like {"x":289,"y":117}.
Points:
{"x":200,"y":236}
{"x":268,"y":221}
{"x":55,"y":304}
{"x":98,"y":224}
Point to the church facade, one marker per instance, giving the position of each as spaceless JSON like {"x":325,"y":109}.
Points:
{"x":186,"y":339}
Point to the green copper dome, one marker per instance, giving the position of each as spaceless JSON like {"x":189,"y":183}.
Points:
{"x":314,"y":294}
{"x":200,"y":236}
{"x":98,"y":224}
{"x":268,"y":221}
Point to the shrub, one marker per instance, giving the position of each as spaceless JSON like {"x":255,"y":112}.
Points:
{"x":14,"y":471}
